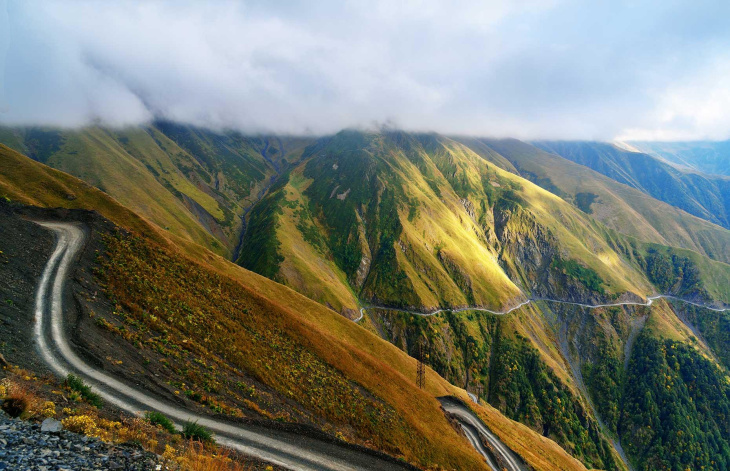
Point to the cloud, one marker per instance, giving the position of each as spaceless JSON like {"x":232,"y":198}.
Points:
{"x":530,"y":69}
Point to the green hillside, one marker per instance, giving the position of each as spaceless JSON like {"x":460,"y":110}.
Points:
{"x":421,"y":221}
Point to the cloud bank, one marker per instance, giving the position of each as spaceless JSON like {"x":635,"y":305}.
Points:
{"x":525,"y":68}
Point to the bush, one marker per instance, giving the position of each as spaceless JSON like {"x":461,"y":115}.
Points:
{"x":14,"y":406}
{"x":193,"y":431}
{"x":77,"y":384}
{"x":48,"y":409}
{"x":83,"y":424}
{"x":157,"y":418}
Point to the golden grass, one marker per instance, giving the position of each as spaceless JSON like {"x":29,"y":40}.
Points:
{"x":196,"y":457}
{"x":233,"y":326}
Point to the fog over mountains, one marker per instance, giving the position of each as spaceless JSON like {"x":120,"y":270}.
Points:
{"x":525,"y":69}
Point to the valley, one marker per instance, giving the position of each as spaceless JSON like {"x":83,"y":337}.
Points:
{"x":522,"y":293}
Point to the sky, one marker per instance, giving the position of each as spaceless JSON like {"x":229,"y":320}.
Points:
{"x":551,"y":69}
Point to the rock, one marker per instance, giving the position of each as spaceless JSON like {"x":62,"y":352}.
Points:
{"x":51,"y":426}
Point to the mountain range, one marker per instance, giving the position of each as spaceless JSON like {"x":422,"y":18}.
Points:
{"x":528,"y":271}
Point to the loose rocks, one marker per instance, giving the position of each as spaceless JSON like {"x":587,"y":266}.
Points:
{"x":26,"y":446}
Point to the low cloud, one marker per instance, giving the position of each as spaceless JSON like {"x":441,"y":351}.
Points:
{"x":529,"y":69}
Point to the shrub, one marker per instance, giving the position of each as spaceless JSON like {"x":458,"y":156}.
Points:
{"x":157,"y":418}
{"x":49,"y":409}
{"x":14,"y":406}
{"x":80,"y":424}
{"x":193,"y":431}
{"x":77,"y":384}
{"x":195,"y":457}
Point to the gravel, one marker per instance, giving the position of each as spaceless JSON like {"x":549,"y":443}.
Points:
{"x":24,"y":447}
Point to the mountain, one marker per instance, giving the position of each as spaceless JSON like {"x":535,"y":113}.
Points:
{"x":428,"y":241}
{"x":396,"y":220}
{"x":701,"y":156}
{"x":420,"y":221}
{"x":705,"y":196}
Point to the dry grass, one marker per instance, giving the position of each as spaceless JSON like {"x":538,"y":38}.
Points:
{"x":194,"y":456}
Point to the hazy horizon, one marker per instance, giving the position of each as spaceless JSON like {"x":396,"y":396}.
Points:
{"x":530,"y":70}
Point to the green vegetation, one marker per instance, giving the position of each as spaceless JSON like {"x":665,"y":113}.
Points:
{"x":196,"y":432}
{"x":158,"y":418}
{"x":672,"y":273}
{"x":77,"y":384}
{"x":532,"y":394}
{"x":604,"y":380}
{"x":584,"y":201}
{"x":676,"y":412}
{"x":260,"y":249}
{"x":713,"y":326}
{"x":508,"y":372}
{"x":586,"y":276}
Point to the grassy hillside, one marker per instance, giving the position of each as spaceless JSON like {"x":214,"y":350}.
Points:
{"x":422,"y":221}
{"x":704,"y":196}
{"x":511,"y":362}
{"x":195,"y":183}
{"x":241,"y":322}
{"x":620,"y":207}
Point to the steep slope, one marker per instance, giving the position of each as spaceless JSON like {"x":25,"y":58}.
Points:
{"x":198,"y":184}
{"x":157,"y":309}
{"x":620,"y":207}
{"x":704,"y":196}
{"x":421,"y":221}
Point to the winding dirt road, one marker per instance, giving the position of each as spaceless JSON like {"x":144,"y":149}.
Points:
{"x":286,"y":449}
{"x":649,"y":301}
